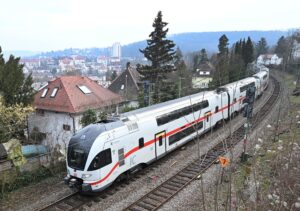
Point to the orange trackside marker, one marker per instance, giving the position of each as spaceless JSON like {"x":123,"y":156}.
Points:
{"x":224,"y":161}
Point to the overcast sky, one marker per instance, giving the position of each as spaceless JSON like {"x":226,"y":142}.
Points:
{"x":43,"y":25}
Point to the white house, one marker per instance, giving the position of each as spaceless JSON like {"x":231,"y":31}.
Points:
{"x":60,"y":105}
{"x":296,"y":50}
{"x":202,"y":75}
{"x":201,"y":82}
{"x":268,"y":59}
{"x":78,"y":60}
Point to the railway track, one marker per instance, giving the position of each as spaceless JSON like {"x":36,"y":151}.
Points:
{"x":168,"y":189}
{"x":161,"y":194}
{"x":70,"y":202}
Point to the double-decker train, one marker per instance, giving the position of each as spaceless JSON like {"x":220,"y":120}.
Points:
{"x":103,"y":152}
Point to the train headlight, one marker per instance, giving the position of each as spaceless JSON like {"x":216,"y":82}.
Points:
{"x":85,"y":176}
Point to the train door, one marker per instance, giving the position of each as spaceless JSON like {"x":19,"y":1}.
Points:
{"x":160,"y":143}
{"x":207,"y":120}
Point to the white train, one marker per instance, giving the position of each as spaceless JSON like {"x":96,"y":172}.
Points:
{"x":103,"y":152}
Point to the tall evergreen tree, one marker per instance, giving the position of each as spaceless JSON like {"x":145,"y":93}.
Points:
{"x":221,"y":75}
{"x":238,"y":48}
{"x":223,"y":46}
{"x":2,"y":63}
{"x":14,"y":88}
{"x":262,"y":46}
{"x":199,"y":58}
{"x":27,"y":93}
{"x":281,"y":46}
{"x":160,"y":53}
{"x":196,"y":61}
{"x":237,"y":64}
{"x":13,"y":81}
{"x":248,"y":52}
{"x":203,"y":56}
{"x":183,"y":77}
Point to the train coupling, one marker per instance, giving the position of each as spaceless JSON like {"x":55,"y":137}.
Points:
{"x":72,"y":182}
{"x":77,"y":184}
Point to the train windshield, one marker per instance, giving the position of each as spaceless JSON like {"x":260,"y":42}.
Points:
{"x":77,"y":158}
{"x":80,"y":145}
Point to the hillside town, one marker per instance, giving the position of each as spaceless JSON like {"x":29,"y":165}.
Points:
{"x":200,"y":130}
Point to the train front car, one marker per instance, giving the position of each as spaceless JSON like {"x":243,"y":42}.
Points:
{"x":88,"y":154}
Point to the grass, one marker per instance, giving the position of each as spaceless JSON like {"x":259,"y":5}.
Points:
{"x":18,"y":180}
{"x":290,"y":81}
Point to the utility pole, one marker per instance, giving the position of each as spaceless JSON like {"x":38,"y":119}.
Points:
{"x":248,"y":109}
{"x":126,"y":87}
{"x":146,"y":93}
{"x":297,"y":89}
{"x":179,"y":87}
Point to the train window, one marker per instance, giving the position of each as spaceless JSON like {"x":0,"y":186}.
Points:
{"x":163,"y":119}
{"x":160,"y":139}
{"x":141,"y":143}
{"x":102,"y":159}
{"x":76,"y":158}
{"x":217,"y":109}
{"x":244,"y":88}
{"x":234,"y":100}
{"x":184,"y":133}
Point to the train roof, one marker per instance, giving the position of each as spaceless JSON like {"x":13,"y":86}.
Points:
{"x":158,"y":109}
{"x":261,"y":73}
{"x":239,"y":83}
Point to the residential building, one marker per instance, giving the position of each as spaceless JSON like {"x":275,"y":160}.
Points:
{"x":268,"y":59}
{"x":78,"y":60}
{"x":202,"y":76}
{"x":127,"y":85}
{"x":61,"y":104}
{"x":296,"y":50}
{"x":116,"y":50}
{"x":31,"y":63}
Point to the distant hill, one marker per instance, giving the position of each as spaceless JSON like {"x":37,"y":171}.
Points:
{"x":195,"y":41}
{"x":19,"y":53}
{"x":188,"y":42}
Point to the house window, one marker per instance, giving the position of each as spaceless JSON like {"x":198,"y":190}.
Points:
{"x":67,"y":127}
{"x":53,"y":94}
{"x":122,"y":86}
{"x":44,"y":93}
{"x":84,"y":89}
{"x":141,"y":142}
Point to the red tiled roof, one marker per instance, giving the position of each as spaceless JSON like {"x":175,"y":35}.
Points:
{"x":69,"y":98}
